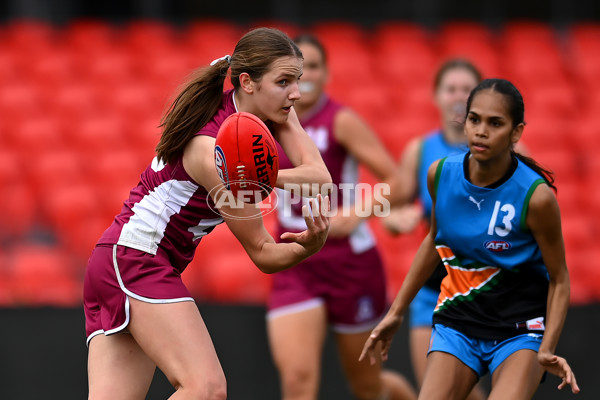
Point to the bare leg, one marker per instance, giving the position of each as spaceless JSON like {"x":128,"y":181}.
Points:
{"x":419,"y":345}
{"x":518,"y":377}
{"x":370,"y":382}
{"x":446,"y":378}
{"x":296,"y":342}
{"x":118,"y":368}
{"x":174,"y":336}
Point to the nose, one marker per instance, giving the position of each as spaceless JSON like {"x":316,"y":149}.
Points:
{"x":294,"y":92}
{"x":481,"y":130}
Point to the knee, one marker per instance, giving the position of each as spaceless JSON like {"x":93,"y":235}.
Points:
{"x":201,"y":388}
{"x":298,"y":380}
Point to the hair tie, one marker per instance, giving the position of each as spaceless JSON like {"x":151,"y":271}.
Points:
{"x":226,"y":58}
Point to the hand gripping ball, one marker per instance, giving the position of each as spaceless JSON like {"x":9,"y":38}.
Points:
{"x":246,"y":157}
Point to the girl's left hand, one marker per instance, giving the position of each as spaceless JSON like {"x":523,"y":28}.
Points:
{"x":558,"y":366}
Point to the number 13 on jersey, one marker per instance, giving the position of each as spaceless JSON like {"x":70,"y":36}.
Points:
{"x":508,"y":213}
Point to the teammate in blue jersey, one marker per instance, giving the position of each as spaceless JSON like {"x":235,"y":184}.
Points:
{"x":453,"y":82}
{"x":496,"y":226}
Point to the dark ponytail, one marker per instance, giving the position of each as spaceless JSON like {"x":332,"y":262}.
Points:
{"x":193,"y":107}
{"x":516,"y":110}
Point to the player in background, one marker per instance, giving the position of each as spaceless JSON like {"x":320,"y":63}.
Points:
{"x":453,"y":82}
{"x":343,"y":286}
{"x":139,"y":315}
{"x":496,"y":225}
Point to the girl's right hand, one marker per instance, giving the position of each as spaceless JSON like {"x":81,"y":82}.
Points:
{"x":317,"y":225}
{"x":558,"y":366}
{"x":384,"y":333}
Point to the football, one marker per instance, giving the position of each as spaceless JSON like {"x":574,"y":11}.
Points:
{"x":246,"y":157}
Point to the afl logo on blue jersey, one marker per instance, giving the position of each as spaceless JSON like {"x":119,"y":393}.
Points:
{"x":497,"y":245}
{"x":221,"y":165}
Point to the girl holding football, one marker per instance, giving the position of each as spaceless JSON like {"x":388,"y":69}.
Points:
{"x":495,"y":223}
{"x":139,"y":315}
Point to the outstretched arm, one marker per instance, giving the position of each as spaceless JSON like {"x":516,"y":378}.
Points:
{"x":543,"y":220}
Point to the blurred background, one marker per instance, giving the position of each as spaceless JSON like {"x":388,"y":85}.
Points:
{"x":83,"y":86}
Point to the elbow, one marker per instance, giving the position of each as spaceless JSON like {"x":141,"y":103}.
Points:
{"x":266,"y":269}
{"x":326,"y":177}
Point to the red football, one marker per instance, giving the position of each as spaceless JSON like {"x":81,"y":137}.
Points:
{"x":246,"y":157}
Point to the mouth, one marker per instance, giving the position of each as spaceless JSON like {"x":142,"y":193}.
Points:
{"x":479,"y":147}
{"x":287,"y":109}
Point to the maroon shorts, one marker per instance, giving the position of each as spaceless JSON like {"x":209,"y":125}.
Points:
{"x":351,"y":287}
{"x":115,"y":273}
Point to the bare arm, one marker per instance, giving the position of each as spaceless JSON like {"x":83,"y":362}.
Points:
{"x":244,"y":219}
{"x":543,"y":219}
{"x":422,"y":267}
{"x":309,"y":170}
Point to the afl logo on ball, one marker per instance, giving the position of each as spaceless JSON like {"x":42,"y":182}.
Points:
{"x":497,"y":245}
{"x":221,"y":165}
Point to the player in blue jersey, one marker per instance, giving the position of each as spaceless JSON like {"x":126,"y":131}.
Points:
{"x":496,"y":226}
{"x":453,"y":82}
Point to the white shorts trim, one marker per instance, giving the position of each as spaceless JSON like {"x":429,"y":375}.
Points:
{"x":295,"y":308}
{"x":137,"y":296}
{"x":360,"y":328}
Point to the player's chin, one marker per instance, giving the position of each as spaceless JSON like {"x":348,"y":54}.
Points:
{"x":281,"y":116}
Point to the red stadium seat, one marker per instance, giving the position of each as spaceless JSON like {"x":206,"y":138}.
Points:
{"x":73,"y":100}
{"x":54,"y":170}
{"x":471,"y":41}
{"x":144,"y":37}
{"x":223,"y":272}
{"x":43,"y":275}
{"x":340,"y":32}
{"x":108,"y":67}
{"x":29,"y":36}
{"x":74,"y":214}
{"x":98,"y":134}
{"x":20,"y":99}
{"x":206,"y":40}
{"x":18,"y":204}
{"x":584,"y":275}
{"x":36,"y":135}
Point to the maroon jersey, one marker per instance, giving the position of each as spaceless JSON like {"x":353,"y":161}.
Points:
{"x":167,"y":208}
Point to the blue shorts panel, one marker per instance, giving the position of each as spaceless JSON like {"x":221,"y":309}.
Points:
{"x":480,"y":355}
{"x":529,"y":341}
{"x":422,"y":306}
{"x":448,"y":340}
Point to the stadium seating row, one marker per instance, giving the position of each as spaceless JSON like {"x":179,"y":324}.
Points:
{"x":80,"y":107}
